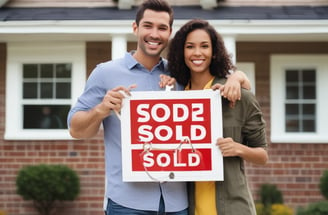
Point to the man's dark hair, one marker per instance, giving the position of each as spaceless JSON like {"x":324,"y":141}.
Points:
{"x":155,"y":5}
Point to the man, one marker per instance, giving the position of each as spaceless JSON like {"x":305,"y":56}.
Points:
{"x":102,"y":96}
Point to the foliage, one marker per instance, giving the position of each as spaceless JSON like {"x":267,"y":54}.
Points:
{"x":47,"y":184}
{"x":317,"y":208}
{"x":274,"y":209}
{"x":324,"y":184}
{"x":321,"y":207}
{"x":280,"y":209}
{"x":270,"y":194}
{"x":271,"y":201}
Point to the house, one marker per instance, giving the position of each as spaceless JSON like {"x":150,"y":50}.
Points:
{"x":48,"y":49}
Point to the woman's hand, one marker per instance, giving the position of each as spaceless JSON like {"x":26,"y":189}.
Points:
{"x":230,"y":148}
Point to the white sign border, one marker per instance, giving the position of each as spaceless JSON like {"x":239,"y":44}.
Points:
{"x":216,"y":174}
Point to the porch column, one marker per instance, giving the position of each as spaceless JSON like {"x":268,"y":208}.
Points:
{"x":230,"y":44}
{"x":119,"y":46}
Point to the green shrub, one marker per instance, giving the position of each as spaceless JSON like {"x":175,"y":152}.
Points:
{"x":46,"y":185}
{"x":270,"y":194}
{"x":280,"y":209}
{"x":317,"y":208}
{"x":324,"y":184}
{"x":274,"y":209}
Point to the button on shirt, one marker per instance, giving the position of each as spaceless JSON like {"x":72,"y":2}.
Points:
{"x":137,"y":195}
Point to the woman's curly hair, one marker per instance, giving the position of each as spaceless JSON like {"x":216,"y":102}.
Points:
{"x":220,"y":64}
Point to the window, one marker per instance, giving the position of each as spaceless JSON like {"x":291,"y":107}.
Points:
{"x":41,"y":87}
{"x":298,"y":103}
{"x":249,"y":69}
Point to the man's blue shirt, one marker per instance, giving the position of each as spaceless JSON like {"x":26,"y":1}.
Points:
{"x":138,"y":195}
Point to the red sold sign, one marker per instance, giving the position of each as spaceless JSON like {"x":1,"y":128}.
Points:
{"x":154,"y":133}
{"x":169,"y":120}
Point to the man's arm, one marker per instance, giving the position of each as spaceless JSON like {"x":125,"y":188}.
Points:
{"x":230,"y":148}
{"x":85,"y":124}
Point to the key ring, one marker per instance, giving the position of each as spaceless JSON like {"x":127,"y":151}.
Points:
{"x":148,"y":147}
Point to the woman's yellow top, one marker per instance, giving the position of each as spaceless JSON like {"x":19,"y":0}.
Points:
{"x":205,"y":203}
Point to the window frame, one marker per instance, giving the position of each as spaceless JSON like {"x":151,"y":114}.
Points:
{"x":249,"y":69}
{"x":279,"y":64}
{"x":19,"y":53}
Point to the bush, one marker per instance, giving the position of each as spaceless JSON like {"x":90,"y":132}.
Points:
{"x":275,"y":209}
{"x":47,"y":184}
{"x":317,"y":208}
{"x":321,"y":207}
{"x":280,"y":209}
{"x":324,"y":184}
{"x":269,"y":195}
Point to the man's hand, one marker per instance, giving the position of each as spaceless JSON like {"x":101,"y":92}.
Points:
{"x":232,"y":88}
{"x":113,"y":100}
{"x":166,"y":80}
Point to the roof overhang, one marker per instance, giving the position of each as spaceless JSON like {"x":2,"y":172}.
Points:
{"x":103,"y":30}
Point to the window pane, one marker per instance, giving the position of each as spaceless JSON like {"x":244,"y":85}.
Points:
{"x":309,"y":92}
{"x":46,"y":90}
{"x":45,"y":116}
{"x":30,"y":90}
{"x":63,"y":70}
{"x":47,"y":71}
{"x":63,"y":90}
{"x":308,"y":125}
{"x":292,"y":76}
{"x":292,"y":109}
{"x":292,"y":93}
{"x":292,"y":125}
{"x":309,"y":75}
{"x":309,"y":109}
{"x":30,"y":71}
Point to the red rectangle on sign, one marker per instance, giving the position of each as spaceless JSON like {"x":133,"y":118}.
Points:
{"x":172,"y":160}
{"x":168,"y":120}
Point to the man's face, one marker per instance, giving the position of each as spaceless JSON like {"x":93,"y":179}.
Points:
{"x":153,"y":32}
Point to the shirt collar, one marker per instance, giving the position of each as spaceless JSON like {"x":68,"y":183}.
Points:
{"x":207,"y":86}
{"x":132,"y":62}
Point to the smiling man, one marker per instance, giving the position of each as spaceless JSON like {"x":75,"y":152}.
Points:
{"x":140,"y":69}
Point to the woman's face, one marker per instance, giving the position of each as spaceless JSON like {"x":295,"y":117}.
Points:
{"x":198,"y":51}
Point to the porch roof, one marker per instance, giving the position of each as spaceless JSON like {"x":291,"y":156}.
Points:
{"x":180,"y":12}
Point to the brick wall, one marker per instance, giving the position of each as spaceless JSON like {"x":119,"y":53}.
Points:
{"x":85,"y":157}
{"x":294,"y":168}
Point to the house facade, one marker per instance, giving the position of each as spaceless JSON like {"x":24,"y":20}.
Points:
{"x":48,"y":49}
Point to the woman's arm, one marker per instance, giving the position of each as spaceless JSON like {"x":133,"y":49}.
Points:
{"x":230,"y":148}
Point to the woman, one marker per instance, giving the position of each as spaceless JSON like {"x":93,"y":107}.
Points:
{"x":198,"y":60}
